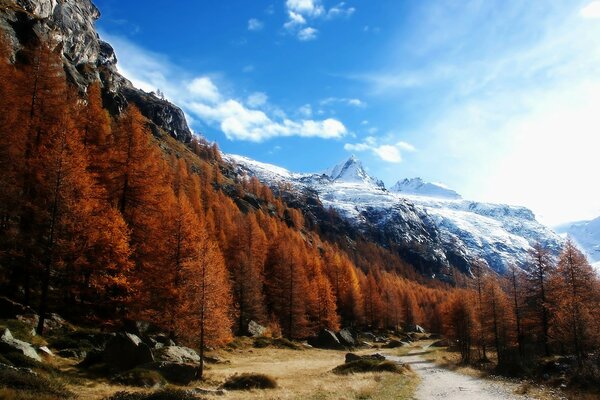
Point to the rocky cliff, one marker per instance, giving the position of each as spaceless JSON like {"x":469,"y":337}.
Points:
{"x":70,"y":26}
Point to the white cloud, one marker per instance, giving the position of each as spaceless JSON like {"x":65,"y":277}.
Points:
{"x":300,"y":12}
{"x":205,"y":102}
{"x":391,"y":153}
{"x":344,"y":100}
{"x":591,"y":11}
{"x":257,"y":99}
{"x":255,"y":25}
{"x":312,"y":8}
{"x":307,"y":34}
{"x":295,"y":20}
{"x":204,"y":88}
{"x":340,"y":10}
{"x":241,"y":123}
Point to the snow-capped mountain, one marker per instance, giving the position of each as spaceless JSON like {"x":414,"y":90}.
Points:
{"x":433,"y":227}
{"x":352,"y":171}
{"x":416,"y":186}
{"x":586,"y":235}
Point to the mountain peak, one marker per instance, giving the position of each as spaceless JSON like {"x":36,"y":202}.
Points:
{"x":418,"y":187}
{"x":352,"y":171}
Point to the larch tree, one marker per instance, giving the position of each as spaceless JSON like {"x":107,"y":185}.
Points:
{"x":287,"y":286}
{"x":206,"y":301}
{"x":246,"y":256}
{"x":575,"y":287}
{"x":540,"y":266}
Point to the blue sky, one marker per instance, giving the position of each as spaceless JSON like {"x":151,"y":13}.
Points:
{"x":497,"y":99}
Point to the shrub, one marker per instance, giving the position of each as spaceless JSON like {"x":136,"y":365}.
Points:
{"x":165,"y":394}
{"x":33,"y":384}
{"x":250,"y":381}
{"x":367,"y":365}
{"x":141,"y":378}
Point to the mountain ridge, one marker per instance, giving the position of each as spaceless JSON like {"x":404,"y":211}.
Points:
{"x":431,"y":231}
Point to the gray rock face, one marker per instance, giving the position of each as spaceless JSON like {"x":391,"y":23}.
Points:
{"x":177,"y":354}
{"x":70,"y":24}
{"x":255,"y":329}
{"x":9,"y":344}
{"x":346,"y":338}
{"x":125,"y":351}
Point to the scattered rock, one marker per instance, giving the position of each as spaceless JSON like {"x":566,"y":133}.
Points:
{"x":9,"y":344}
{"x":325,"y":340}
{"x":125,"y":351}
{"x":255,"y":329}
{"x":177,"y":354}
{"x":393,"y":344}
{"x":179,"y":373}
{"x":11,"y":309}
{"x":46,"y":351}
{"x":345,"y":337}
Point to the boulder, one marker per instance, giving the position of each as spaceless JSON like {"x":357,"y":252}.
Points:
{"x":10,"y":309}
{"x":9,"y":344}
{"x":176,"y":354}
{"x":325,"y":340}
{"x":125,"y":351}
{"x":255,"y":329}
{"x":393,"y":344}
{"x":179,"y":373}
{"x":345,"y":337}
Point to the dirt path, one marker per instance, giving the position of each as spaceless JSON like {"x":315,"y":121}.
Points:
{"x":440,"y":383}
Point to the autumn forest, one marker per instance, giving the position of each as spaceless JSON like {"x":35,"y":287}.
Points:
{"x":103,"y":221}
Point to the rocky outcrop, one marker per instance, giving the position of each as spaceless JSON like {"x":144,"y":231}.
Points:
{"x":70,"y":26}
{"x":255,"y":329}
{"x":8,"y":344}
{"x":177,"y":354}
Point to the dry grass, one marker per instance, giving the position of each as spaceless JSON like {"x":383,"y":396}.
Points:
{"x":307,"y":375}
{"x":302,"y":374}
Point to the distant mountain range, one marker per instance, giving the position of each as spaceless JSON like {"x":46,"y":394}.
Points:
{"x":586,"y":235}
{"x":432,"y":223}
